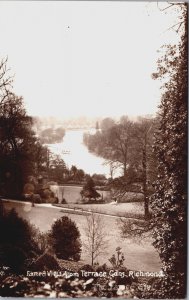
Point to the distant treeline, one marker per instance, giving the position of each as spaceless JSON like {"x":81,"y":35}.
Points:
{"x":52,"y":136}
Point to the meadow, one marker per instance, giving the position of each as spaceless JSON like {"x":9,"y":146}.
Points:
{"x":139,"y":254}
{"x":71,"y":193}
{"x":133,"y":210}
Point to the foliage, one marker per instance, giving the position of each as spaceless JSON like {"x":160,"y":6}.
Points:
{"x":52,"y":136}
{"x":169,"y":202}
{"x":87,"y":268}
{"x":17,"y":246}
{"x":42,"y":240}
{"x":127,"y":145}
{"x":45,"y":262}
{"x":89,"y":190}
{"x":16,"y":145}
{"x":96,"y":240}
{"x":21,"y":154}
{"x":20,"y":286}
{"x":112,"y":143}
{"x":56,"y":168}
{"x":106,"y":124}
{"x":66,"y":242}
{"x":40,"y":154}
{"x":5,"y":80}
{"x":137,"y":229}
{"x":58,"y":286}
{"x":117,"y":259}
{"x":76,"y":174}
{"x":99,"y":179}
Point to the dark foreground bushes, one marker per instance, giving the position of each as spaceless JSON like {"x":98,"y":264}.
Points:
{"x":17,"y":246}
{"x":59,"y":286}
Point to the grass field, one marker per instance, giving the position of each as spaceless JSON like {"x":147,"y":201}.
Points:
{"x":138,"y":256}
{"x":121,"y":209}
{"x":71,"y":193}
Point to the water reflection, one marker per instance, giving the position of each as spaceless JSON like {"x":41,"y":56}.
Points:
{"x":74,"y":152}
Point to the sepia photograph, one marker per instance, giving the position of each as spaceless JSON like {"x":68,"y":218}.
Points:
{"x":93,"y":149}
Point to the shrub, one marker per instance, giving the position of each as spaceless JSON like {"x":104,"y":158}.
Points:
{"x":102,"y":268}
{"x":66,"y":242}
{"x":45,"y":261}
{"x":16,"y":242}
{"x":87,"y":268}
{"x":63,"y":201}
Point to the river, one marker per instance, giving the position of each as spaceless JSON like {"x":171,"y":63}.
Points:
{"x":74,"y":152}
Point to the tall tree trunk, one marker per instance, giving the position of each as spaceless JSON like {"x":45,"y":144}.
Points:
{"x":124,"y":170}
{"x":92,"y":260}
{"x":144,"y":167}
{"x":93,"y":240}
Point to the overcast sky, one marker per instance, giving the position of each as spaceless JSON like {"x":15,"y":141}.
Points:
{"x":85,"y":58}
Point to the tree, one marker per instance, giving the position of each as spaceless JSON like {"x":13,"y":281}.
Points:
{"x":73,"y":171}
{"x":21,"y":153}
{"x":16,"y":146}
{"x":128,"y":146}
{"x":80,"y":174}
{"x":117,"y":259}
{"x":96,"y":241}
{"x":97,"y":126}
{"x":136,"y":152}
{"x":113,"y":143}
{"x":17,"y":245}
{"x":40,"y":153}
{"x":169,"y":202}
{"x":89,"y":190}
{"x":170,"y":199}
{"x":118,"y":140}
{"x":99,"y":179}
{"x":66,"y":242}
{"x":146,"y":160}
{"x":107,"y":123}
{"x":57,"y":168}
{"x":5,"y":80}
{"x":50,"y":135}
